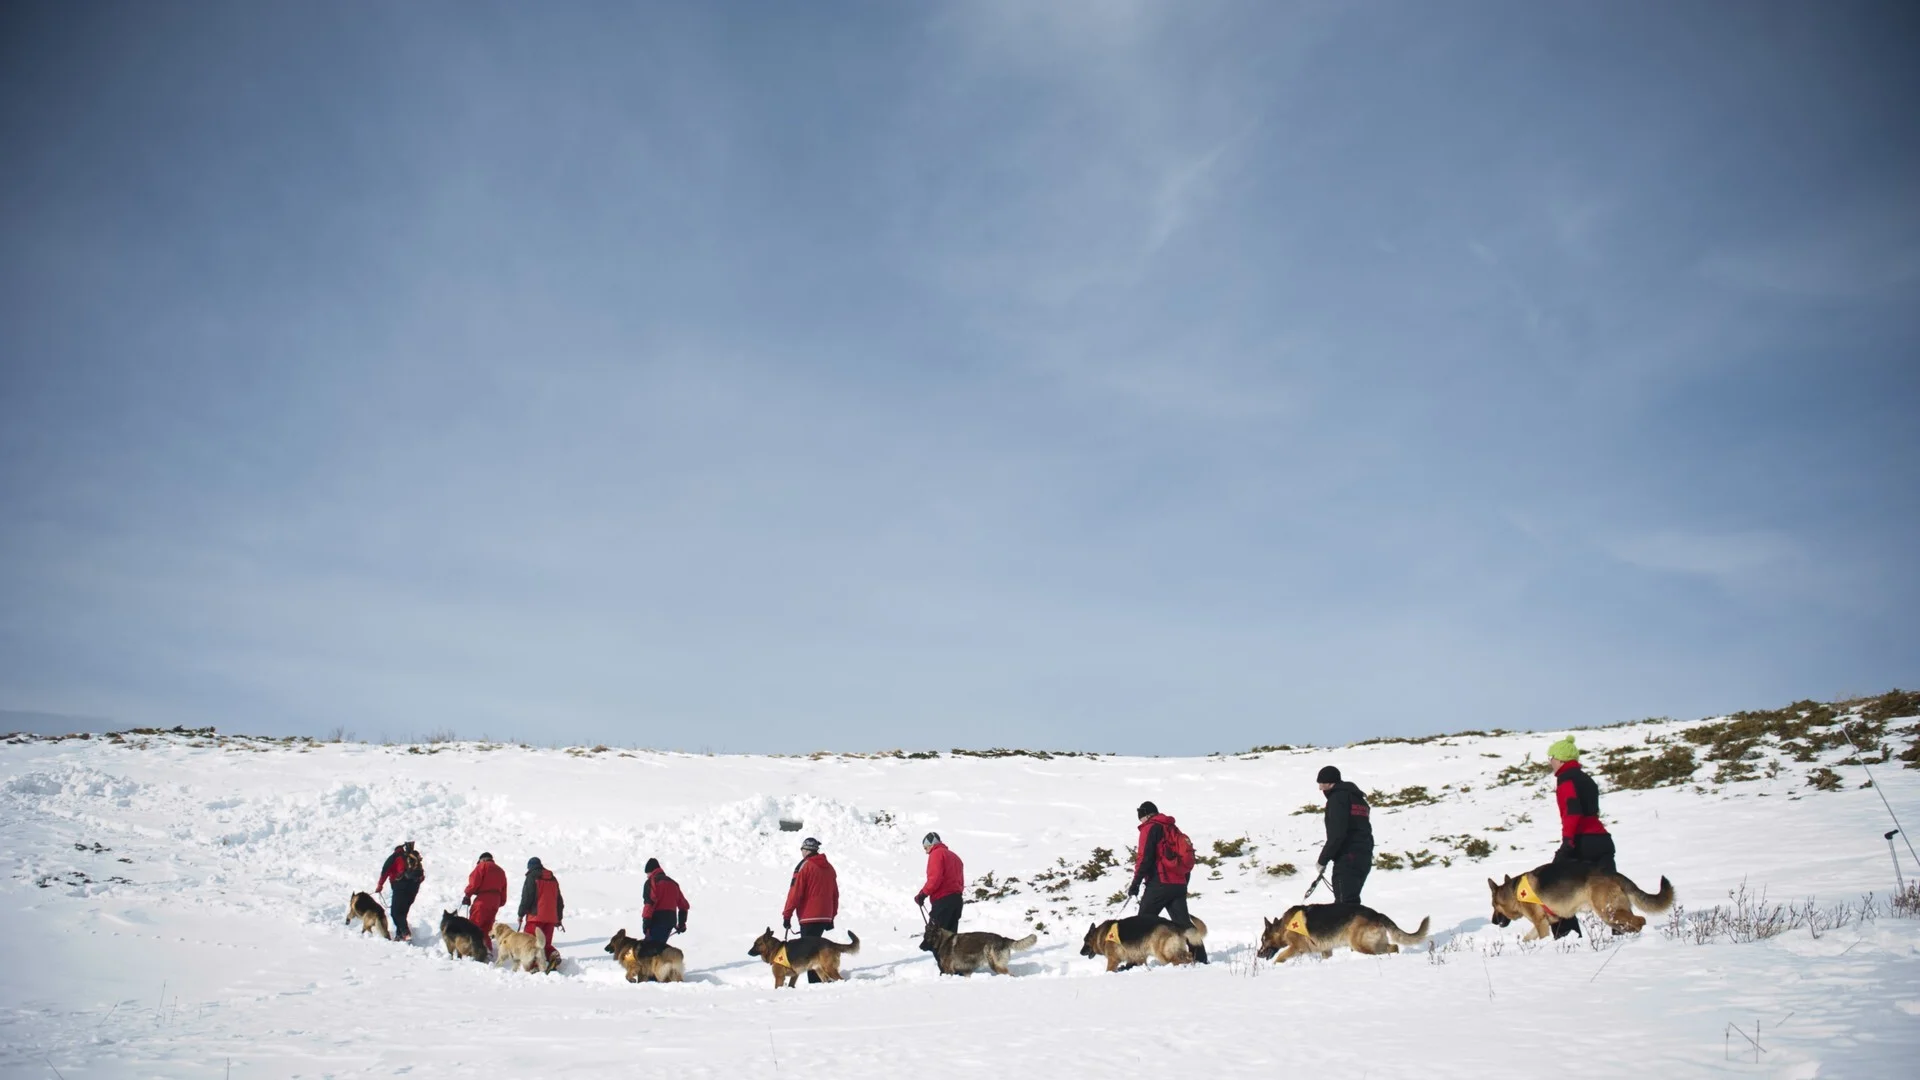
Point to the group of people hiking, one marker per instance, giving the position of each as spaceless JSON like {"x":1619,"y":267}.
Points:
{"x":1163,"y":865}
{"x":1349,"y":847}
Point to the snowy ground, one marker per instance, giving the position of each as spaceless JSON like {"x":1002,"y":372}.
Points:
{"x":207,"y":936}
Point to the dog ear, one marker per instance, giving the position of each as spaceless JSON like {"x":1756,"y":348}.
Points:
{"x":1492,"y":886}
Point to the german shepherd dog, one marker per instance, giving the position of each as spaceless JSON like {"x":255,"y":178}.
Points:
{"x":647,"y":961}
{"x":1561,"y":890}
{"x":963,"y":954}
{"x":462,"y":937}
{"x":1135,"y":939}
{"x":789,"y":958}
{"x":364,"y":907}
{"x":1322,"y":928}
{"x":527,"y":951}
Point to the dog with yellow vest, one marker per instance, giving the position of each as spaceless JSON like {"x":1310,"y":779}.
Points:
{"x":1136,"y":939}
{"x":1547,"y":894}
{"x":815,"y":955}
{"x":1322,"y":928}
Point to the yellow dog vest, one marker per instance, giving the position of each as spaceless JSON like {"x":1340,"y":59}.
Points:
{"x":1298,"y":924}
{"x":780,"y":957}
{"x":1524,"y":892}
{"x":1113,"y":933}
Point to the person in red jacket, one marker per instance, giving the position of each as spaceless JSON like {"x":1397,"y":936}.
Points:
{"x":663,"y":907}
{"x":405,"y":869}
{"x":1582,"y":836}
{"x":542,"y":906}
{"x":945,"y":878}
{"x":814,"y":895}
{"x":1165,"y":880}
{"x":486,"y":892}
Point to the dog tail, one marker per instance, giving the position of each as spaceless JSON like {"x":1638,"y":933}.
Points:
{"x":854,"y":940}
{"x":1025,"y":943}
{"x":1654,"y":903}
{"x":1195,"y":934}
{"x":1401,"y":937}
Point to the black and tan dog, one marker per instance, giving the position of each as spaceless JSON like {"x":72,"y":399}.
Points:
{"x":964,"y":954}
{"x":647,"y":961}
{"x":1547,"y":894}
{"x":1322,"y":928}
{"x":789,"y":958}
{"x":462,"y":937}
{"x":364,"y":907}
{"x":1136,"y":939}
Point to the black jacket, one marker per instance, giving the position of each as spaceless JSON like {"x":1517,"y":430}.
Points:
{"x":1349,"y":828}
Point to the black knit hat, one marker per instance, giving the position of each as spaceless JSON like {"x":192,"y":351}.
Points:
{"x":1328,"y":775}
{"x":533,"y":864}
{"x":652,"y":865}
{"x":1147,"y":809}
{"x":485,"y":856}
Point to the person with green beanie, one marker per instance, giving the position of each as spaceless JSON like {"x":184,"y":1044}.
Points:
{"x":1582,"y":837}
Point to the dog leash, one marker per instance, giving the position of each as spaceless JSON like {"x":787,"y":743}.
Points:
{"x":1316,"y":882}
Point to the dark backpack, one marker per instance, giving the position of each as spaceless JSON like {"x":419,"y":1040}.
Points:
{"x":1174,"y":860}
{"x":416,"y":871}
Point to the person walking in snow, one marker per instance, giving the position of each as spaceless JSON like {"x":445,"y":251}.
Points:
{"x":406,"y":870}
{"x":486,"y":892}
{"x":1582,"y":836}
{"x":542,"y":906}
{"x":813,"y":895}
{"x":1349,"y":845}
{"x":663,"y":907}
{"x":1162,"y":864}
{"x":945,"y":878}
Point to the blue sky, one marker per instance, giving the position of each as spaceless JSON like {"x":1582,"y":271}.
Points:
{"x":1142,"y":377}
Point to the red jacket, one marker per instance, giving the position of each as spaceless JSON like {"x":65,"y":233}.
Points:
{"x":945,"y":876}
{"x":662,"y":893}
{"x":1149,"y":849}
{"x":396,"y":865}
{"x":547,"y":907}
{"x":815,"y":892}
{"x":1579,"y":800}
{"x":488,"y":881}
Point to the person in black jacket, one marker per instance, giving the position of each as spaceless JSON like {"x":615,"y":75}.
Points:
{"x":1349,"y":844}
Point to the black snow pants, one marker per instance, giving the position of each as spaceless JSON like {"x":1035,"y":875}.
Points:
{"x":1171,"y":899}
{"x":403,"y":894}
{"x":1350,"y":872}
{"x":946,"y":912}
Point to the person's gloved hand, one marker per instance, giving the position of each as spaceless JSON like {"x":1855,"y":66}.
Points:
{"x":786,"y":924}
{"x":681,"y":926}
{"x":919,"y":898}
{"x":1133,"y":890}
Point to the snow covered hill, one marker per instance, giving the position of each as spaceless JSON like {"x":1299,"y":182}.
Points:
{"x":177,"y":899}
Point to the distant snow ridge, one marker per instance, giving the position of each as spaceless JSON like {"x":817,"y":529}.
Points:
{"x":72,"y":784}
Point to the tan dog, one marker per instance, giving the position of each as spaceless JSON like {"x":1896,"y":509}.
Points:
{"x":647,"y":961}
{"x":528,"y":952}
{"x":789,"y":958}
{"x":1134,"y":940}
{"x":372,"y":916}
{"x":964,"y":954}
{"x":1557,"y":891}
{"x":1322,"y":928}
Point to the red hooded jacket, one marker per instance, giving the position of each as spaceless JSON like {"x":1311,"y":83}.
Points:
{"x":662,"y":894}
{"x":1147,"y":854}
{"x":815,"y":892}
{"x":945,"y":876}
{"x":488,"y":882}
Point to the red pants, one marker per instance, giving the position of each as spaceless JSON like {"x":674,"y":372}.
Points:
{"x":484,"y":909}
{"x":546,"y":934}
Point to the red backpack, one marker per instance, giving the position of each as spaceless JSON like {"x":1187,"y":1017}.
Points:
{"x":1174,"y":860}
